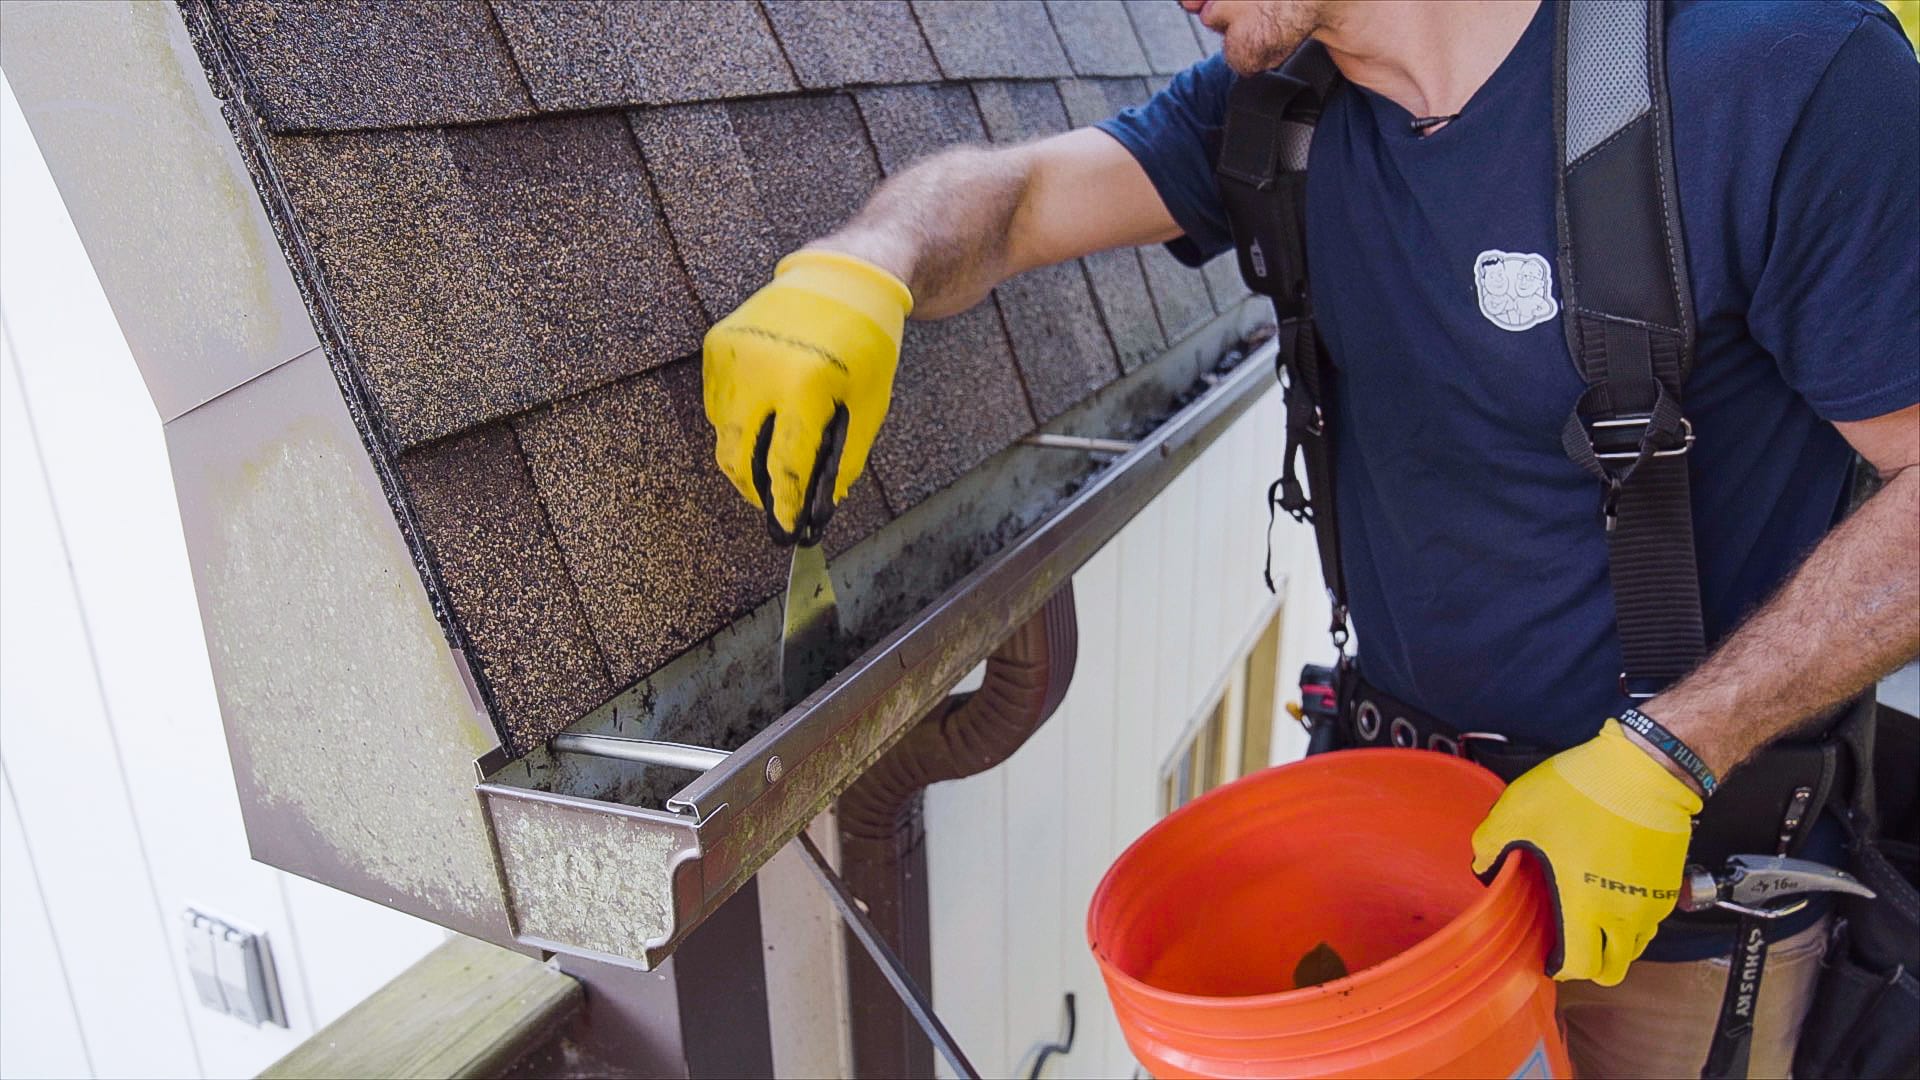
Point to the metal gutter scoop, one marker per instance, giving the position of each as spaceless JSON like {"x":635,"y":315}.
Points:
{"x":810,"y":637}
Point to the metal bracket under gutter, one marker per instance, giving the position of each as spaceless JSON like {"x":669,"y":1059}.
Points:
{"x":600,"y":877}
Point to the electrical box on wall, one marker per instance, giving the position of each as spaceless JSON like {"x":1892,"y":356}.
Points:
{"x":233,"y":970}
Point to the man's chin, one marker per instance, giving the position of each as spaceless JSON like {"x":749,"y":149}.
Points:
{"x":1244,"y":62}
{"x":1252,"y":60}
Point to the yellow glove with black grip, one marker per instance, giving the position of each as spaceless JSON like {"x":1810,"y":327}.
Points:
{"x":1611,"y":825}
{"x":797,"y":380}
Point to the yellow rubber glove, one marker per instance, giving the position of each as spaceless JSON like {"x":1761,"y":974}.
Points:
{"x":797,"y":382}
{"x":1611,"y":826}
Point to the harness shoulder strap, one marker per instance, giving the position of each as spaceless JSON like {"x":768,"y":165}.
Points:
{"x":1262,"y":174}
{"x":1628,"y":317}
{"x":1627,"y":313}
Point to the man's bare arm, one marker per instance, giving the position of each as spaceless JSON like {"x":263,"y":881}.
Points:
{"x":1847,"y":617}
{"x":960,"y":222}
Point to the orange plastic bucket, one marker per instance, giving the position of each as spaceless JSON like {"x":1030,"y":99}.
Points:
{"x":1200,"y":925}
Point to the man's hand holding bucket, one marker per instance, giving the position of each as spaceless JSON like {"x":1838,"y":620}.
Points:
{"x":1610,"y":825}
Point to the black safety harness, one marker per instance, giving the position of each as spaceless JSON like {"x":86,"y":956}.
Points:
{"x":1628,"y":316}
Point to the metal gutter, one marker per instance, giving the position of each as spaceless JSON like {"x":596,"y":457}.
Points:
{"x":666,"y":870}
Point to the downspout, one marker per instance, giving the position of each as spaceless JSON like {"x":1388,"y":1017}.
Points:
{"x":883,"y":855}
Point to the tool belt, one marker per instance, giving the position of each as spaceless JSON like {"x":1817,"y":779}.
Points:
{"x":1862,"y":1020}
{"x":1749,"y":812}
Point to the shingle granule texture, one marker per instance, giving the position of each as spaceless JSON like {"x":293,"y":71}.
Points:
{"x":856,"y":517}
{"x":957,"y":401}
{"x":483,"y":270}
{"x":957,"y":398}
{"x":810,"y":160}
{"x":1224,"y":283}
{"x":372,"y":63}
{"x":992,"y":39}
{"x":662,"y":548}
{"x":835,"y":43}
{"x":1119,"y":283}
{"x":1016,"y":111}
{"x":1098,"y":37}
{"x":517,"y":218}
{"x":1179,"y":293}
{"x":1165,"y":34}
{"x":506,"y":582}
{"x":707,"y":189}
{"x":1090,"y":101}
{"x":664,"y":552}
{"x":659,"y":544}
{"x":1058,"y":336}
{"x":584,"y":54}
{"x":386,"y":217}
{"x":908,"y":123}
{"x":1120,"y":288}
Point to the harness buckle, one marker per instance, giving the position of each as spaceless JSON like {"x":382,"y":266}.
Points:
{"x":1642,"y":421}
{"x":1627,"y":691}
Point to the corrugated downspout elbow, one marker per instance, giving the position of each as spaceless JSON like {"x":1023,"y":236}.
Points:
{"x":882,"y":856}
{"x":1026,"y":678}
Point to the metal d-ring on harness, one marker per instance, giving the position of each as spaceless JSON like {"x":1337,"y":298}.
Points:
{"x":1628,"y":318}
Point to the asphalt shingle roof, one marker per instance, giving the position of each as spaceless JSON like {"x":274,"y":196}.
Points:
{"x":1058,"y":336}
{"x":836,"y":43}
{"x":506,"y":580}
{"x":1098,"y":37}
{"x":1165,"y":35}
{"x":586,"y":54}
{"x":521,"y":215}
{"x":988,"y":39}
{"x":349,"y":64}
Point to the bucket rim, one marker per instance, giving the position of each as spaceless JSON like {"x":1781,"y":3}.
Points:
{"x":1509,"y":881}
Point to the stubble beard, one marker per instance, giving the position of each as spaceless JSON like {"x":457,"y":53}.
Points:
{"x":1267,"y":35}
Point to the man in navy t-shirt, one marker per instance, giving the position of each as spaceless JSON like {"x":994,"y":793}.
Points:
{"x":1477,"y":570}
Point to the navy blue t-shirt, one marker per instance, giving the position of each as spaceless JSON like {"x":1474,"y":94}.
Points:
{"x":1475,"y":558}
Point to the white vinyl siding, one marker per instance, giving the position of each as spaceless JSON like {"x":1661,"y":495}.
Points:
{"x":1168,"y":613}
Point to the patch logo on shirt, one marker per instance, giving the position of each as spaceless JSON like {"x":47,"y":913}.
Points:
{"x":1515,"y":287}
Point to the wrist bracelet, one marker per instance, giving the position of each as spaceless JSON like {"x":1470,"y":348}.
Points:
{"x":1669,"y":744}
